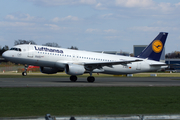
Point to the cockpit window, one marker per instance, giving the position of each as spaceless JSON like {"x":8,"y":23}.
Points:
{"x":16,"y":49}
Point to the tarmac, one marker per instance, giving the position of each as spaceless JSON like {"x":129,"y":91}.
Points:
{"x":82,"y":82}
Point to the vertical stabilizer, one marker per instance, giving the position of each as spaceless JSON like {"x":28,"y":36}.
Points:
{"x":154,"y":50}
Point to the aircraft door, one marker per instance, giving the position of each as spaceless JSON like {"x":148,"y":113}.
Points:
{"x":138,"y":66}
{"x":30,"y":51}
{"x":75,"y":58}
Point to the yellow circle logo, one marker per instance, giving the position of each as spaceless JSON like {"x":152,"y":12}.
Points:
{"x":157,"y":46}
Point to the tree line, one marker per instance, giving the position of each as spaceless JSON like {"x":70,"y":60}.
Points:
{"x":3,"y":49}
{"x":175,"y":54}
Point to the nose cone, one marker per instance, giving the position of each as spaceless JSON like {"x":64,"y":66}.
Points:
{"x":9,"y":55}
{"x":5,"y":55}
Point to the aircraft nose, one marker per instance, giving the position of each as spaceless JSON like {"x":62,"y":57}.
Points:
{"x":5,"y":54}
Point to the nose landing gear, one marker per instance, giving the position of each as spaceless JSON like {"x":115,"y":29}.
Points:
{"x":25,"y":70}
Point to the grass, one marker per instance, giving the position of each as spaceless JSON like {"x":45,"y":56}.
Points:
{"x":69,"y":101}
{"x":64,"y":101}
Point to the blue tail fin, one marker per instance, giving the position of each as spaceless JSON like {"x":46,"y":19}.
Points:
{"x":154,"y":50}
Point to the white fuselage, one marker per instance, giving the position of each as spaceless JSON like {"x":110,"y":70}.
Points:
{"x":58,"y":57}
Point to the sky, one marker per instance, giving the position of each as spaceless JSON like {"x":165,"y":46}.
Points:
{"x":93,"y":25}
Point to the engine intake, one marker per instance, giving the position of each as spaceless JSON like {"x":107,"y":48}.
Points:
{"x":73,"y":69}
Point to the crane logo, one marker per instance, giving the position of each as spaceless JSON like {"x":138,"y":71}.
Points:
{"x":157,"y":46}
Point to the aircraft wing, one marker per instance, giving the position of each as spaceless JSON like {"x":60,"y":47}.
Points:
{"x":101,"y":64}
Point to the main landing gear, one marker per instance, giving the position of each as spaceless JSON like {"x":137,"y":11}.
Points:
{"x":25,"y":70}
{"x":90,"y":79}
{"x":73,"y":78}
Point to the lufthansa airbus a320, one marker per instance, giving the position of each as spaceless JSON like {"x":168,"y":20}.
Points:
{"x":75,"y":62}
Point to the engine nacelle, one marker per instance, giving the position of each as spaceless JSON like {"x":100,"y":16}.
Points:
{"x":73,"y":69}
{"x":48,"y":70}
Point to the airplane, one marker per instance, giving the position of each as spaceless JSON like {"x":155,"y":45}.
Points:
{"x":77,"y":62}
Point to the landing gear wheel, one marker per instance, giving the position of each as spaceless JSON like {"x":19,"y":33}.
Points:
{"x":25,"y":69}
{"x":90,"y":79}
{"x":73,"y":78}
{"x":24,"y":73}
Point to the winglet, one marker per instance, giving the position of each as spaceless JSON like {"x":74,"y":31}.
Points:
{"x":154,"y":50}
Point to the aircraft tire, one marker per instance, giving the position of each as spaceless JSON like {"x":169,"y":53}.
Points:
{"x":91,"y":79}
{"x":24,"y":73}
{"x":73,"y":78}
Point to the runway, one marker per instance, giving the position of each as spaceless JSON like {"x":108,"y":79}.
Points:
{"x":82,"y":82}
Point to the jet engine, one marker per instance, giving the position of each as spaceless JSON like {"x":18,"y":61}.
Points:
{"x":73,"y":69}
{"x":48,"y":70}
